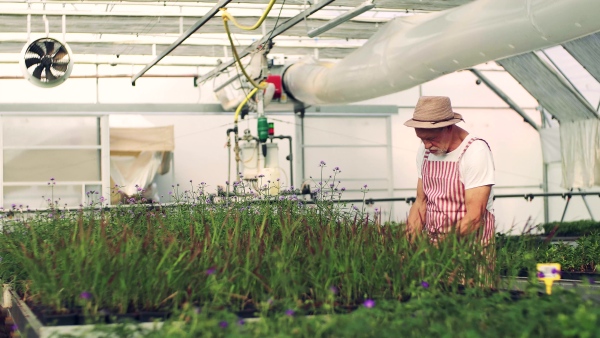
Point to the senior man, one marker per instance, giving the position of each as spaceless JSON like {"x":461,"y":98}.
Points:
{"x":456,"y":175}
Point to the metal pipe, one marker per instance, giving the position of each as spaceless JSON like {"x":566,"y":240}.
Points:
{"x":562,"y":218}
{"x":505,"y":98}
{"x":185,"y":35}
{"x":125,"y":63}
{"x":15,"y":77}
{"x":587,"y":207}
{"x":288,"y":8}
{"x":545,"y":173}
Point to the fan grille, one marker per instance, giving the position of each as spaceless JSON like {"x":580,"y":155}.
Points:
{"x":46,"y":60}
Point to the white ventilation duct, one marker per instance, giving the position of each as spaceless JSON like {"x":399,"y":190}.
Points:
{"x":408,"y":51}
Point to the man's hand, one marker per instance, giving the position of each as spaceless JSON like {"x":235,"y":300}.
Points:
{"x":476,"y":203}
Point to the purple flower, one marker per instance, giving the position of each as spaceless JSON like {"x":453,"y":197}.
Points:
{"x":223,"y":324}
{"x":211,"y":271}
{"x":540,"y":274}
{"x":241,"y":321}
{"x":333,"y":289}
{"x":322,"y":164}
{"x":85,"y":295}
{"x":51,"y":178}
{"x":14,"y":328}
{"x":365,"y":186}
{"x":369,"y":303}
{"x":289,"y":312}
{"x":425,"y":284}
{"x":343,"y":189}
{"x":591,"y":280}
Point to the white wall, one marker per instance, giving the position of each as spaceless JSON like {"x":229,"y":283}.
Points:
{"x":201,"y":155}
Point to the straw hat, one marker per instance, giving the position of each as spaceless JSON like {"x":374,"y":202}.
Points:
{"x":433,"y":112}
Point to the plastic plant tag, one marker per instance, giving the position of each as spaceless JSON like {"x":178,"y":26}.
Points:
{"x":548,"y":272}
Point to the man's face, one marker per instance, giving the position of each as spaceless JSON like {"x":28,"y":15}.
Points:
{"x":437,"y":140}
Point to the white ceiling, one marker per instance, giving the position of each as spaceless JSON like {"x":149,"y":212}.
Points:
{"x":142,"y":29}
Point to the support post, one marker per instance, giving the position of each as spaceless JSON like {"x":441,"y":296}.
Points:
{"x":562,"y":218}
{"x":545,"y":174}
{"x":587,"y":206}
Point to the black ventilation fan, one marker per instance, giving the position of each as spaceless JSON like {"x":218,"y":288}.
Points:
{"x":46,"y":62}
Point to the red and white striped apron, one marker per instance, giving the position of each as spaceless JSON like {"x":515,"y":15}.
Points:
{"x":445,"y":195}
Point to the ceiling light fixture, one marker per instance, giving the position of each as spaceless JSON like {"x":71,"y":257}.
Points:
{"x":365,"y":6}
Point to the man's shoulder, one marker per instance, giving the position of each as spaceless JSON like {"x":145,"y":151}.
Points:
{"x":477,"y":153}
{"x":477,"y":143}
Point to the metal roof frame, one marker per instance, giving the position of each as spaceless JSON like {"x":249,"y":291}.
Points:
{"x":548,"y":87}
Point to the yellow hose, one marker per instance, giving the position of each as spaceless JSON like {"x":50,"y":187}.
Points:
{"x":237,"y":58}
{"x":228,"y":16}
{"x":262,"y":85}
{"x":239,"y":108}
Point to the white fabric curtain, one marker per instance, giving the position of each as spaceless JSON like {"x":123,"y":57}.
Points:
{"x":140,"y":169}
{"x":580,"y":148}
{"x":138,"y":152}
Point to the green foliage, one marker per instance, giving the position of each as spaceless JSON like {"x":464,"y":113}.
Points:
{"x":430,"y":314}
{"x":267,"y":254}
{"x":575,"y":228}
{"x":235,"y":253}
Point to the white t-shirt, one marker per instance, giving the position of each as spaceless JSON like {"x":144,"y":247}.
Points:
{"x":476,"y":167}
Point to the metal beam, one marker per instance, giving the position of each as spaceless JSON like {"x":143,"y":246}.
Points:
{"x":213,"y":11}
{"x":505,"y":98}
{"x":273,"y":33}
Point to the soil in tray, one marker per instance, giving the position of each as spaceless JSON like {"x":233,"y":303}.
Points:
{"x":76,"y":318}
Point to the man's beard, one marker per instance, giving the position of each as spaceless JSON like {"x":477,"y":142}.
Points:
{"x":439,"y":152}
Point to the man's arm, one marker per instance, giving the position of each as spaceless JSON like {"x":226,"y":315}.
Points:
{"x":476,"y":200}
{"x":416,"y":215}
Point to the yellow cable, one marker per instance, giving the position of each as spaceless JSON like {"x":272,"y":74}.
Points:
{"x":239,"y":108}
{"x":228,"y":16}
{"x":237,"y":58}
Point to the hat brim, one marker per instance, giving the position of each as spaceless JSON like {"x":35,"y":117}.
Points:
{"x":433,"y":125}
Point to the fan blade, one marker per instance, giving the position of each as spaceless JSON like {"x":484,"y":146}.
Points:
{"x":49,"y":75}
{"x":49,"y":47}
{"x":61,"y":67}
{"x":60,"y":54}
{"x":32,"y":61}
{"x":36,"y":49}
{"x":37,"y":73}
